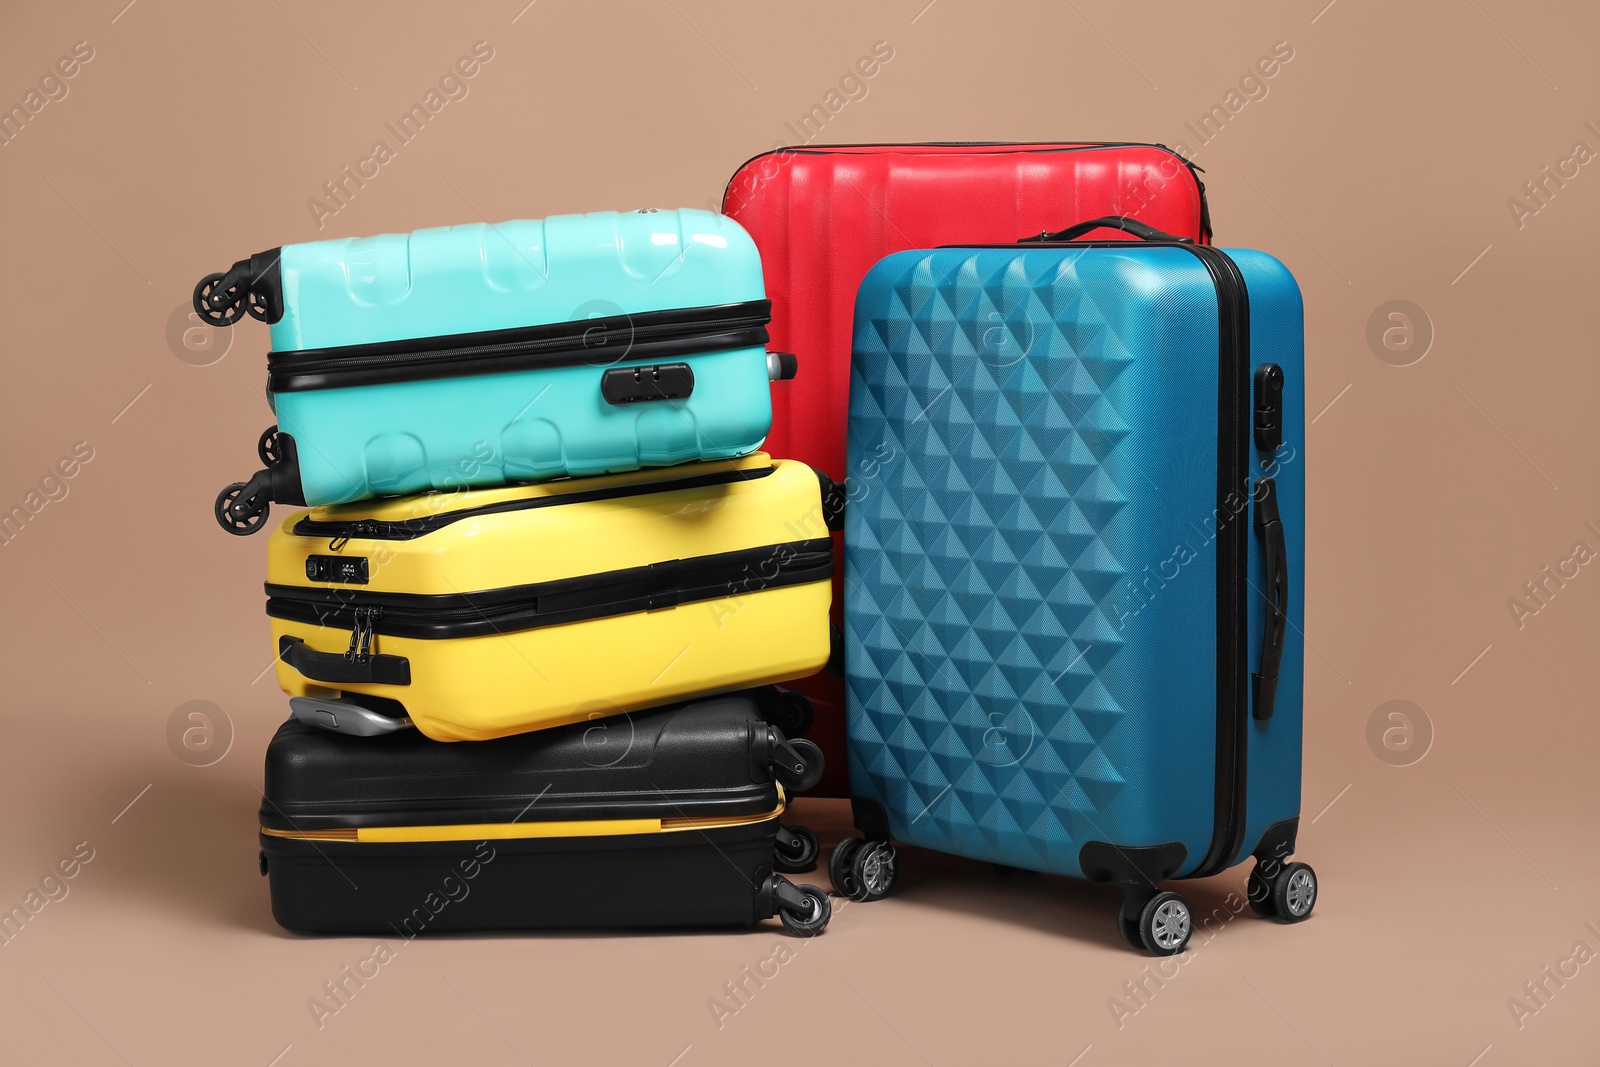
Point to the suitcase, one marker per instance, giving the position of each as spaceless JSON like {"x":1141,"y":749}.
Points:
{"x":492,"y":612}
{"x":477,"y":355}
{"x":1072,"y":621}
{"x":659,"y":819}
{"x":823,"y":215}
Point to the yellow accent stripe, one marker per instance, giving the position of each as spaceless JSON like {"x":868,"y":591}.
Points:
{"x":496,"y":831}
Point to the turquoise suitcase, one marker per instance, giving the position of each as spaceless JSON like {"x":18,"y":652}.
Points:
{"x":477,"y":355}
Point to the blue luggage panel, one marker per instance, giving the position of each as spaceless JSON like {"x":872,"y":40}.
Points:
{"x":1032,"y":579}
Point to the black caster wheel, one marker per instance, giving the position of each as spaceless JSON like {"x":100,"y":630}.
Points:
{"x":240,"y":517}
{"x":797,"y":851}
{"x":1258,"y":890}
{"x":268,"y":448}
{"x":872,"y":870}
{"x":1128,"y":930}
{"x":812,"y":917}
{"x":1165,"y":925}
{"x":839,"y":866}
{"x":256,"y":304}
{"x":228,"y":313}
{"x":1294,"y":892}
{"x":800,"y":767}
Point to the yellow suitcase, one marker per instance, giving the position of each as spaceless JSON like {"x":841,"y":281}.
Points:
{"x":487,"y":613}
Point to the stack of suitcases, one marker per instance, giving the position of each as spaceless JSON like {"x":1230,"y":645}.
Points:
{"x":1062,"y":436}
{"x":538,"y":508}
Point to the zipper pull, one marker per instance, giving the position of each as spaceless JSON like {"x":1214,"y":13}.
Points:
{"x":373,"y":614}
{"x":360,"y":528}
{"x":362,"y":634}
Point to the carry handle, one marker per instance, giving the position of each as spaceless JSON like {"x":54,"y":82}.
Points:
{"x":342,"y":668}
{"x":1269,"y":526}
{"x":1142,"y":230}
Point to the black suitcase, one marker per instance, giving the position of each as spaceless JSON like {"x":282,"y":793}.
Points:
{"x":662,"y":818}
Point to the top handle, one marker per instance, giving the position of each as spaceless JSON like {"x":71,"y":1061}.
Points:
{"x":1142,"y":230}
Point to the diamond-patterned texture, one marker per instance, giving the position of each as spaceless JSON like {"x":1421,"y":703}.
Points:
{"x":981,"y":559}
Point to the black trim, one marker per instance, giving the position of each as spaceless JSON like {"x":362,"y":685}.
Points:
{"x":642,"y":384}
{"x":599,"y":342}
{"x":721,"y":876}
{"x":526,"y":607}
{"x":1141,"y":230}
{"x":1269,"y":407}
{"x":418,"y":526}
{"x":1269,"y":526}
{"x":342,"y":668}
{"x":1233,"y":448}
{"x":835,"y":495}
{"x":870,"y":818}
{"x":1278,"y":842}
{"x":1145,"y":865}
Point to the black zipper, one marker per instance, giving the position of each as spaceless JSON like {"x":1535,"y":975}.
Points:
{"x":1027,"y":146}
{"x":340,"y":531}
{"x":1233,"y":457}
{"x":652,"y":587}
{"x":602,"y":342}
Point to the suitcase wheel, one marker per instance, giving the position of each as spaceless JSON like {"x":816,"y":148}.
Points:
{"x":268,"y":448}
{"x":798,"y":764}
{"x":1287,"y":895}
{"x":804,"y":909}
{"x":1160,"y":925}
{"x":863,"y":870}
{"x":797,"y":851}
{"x":218,"y":307}
{"x":1294,"y":893}
{"x":239,"y":513}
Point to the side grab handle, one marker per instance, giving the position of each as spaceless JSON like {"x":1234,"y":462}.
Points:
{"x":342,"y":668}
{"x":1269,"y":527}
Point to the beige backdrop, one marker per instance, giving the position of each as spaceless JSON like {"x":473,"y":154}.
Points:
{"x":1456,"y":845}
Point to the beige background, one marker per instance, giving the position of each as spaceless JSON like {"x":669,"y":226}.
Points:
{"x":1378,"y":166}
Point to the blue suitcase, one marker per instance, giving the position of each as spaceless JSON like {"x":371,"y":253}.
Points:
{"x":472,"y":356}
{"x":1077,"y":490}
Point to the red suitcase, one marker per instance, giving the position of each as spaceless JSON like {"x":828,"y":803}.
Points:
{"x":822,"y":215}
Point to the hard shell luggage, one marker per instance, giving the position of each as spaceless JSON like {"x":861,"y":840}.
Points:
{"x":822,"y":215}
{"x":492,"y":612}
{"x":477,"y":355}
{"x":657,"y":819}
{"x":1072,"y":612}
